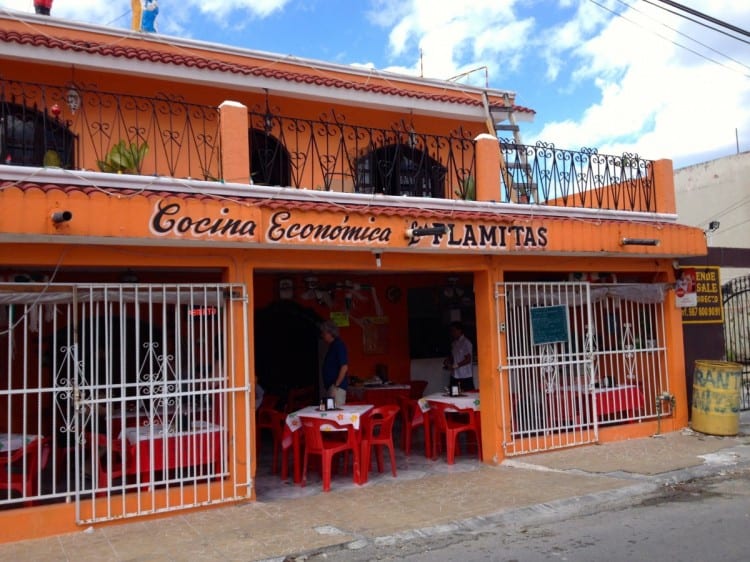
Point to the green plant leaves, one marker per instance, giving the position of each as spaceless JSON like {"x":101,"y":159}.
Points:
{"x":124,"y":158}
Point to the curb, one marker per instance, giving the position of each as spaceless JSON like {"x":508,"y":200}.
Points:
{"x":734,"y":458}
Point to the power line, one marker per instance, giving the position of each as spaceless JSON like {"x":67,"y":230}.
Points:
{"x":696,"y":21}
{"x":686,"y":36}
{"x":670,"y":40}
{"x":706,"y":17}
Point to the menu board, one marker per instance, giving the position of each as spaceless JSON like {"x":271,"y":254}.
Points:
{"x":549,"y":324}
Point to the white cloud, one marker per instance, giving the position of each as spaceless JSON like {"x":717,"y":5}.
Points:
{"x":444,"y":38}
{"x":655,"y":98}
{"x":650,"y":96}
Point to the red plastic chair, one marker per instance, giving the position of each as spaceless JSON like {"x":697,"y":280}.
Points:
{"x":412,"y":419}
{"x":378,"y":433}
{"x":451,"y":422}
{"x":321,"y":440}
{"x":24,"y":479}
{"x":110,"y":461}
{"x":272,"y":420}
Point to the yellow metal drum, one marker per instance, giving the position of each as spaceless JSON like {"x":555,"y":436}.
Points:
{"x":716,"y":397}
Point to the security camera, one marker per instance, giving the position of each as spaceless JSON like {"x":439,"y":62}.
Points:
{"x":713,"y":226}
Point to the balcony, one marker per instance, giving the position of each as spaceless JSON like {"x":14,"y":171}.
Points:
{"x":78,"y":128}
{"x":83,"y":128}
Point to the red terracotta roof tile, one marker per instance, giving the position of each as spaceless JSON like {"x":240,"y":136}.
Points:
{"x":264,"y":202}
{"x":151,"y":55}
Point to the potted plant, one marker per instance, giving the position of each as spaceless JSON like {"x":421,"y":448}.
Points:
{"x":467,"y":189}
{"x":124,"y":158}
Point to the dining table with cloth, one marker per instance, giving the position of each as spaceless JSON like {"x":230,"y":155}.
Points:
{"x":347,"y":414}
{"x":14,"y":441}
{"x":575,"y":403}
{"x":157,"y":448}
{"x":377,"y":394}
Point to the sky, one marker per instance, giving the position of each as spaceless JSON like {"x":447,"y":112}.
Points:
{"x":620,"y":76}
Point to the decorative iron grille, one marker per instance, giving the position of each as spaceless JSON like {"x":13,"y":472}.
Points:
{"x":545,"y":175}
{"x":79,"y":126}
{"x":737,"y":330}
{"x":332,"y":155}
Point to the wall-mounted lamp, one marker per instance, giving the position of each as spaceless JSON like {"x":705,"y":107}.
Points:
{"x":713,"y":226}
{"x":431,"y":231}
{"x":268,"y":117}
{"x":640,"y":242}
{"x":73,"y":99}
{"x":61,"y":216}
{"x":378,"y":261}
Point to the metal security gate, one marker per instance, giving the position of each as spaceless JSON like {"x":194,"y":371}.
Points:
{"x":579,"y":356}
{"x":737,"y":330}
{"x":124,"y":398}
{"x":548,"y":365}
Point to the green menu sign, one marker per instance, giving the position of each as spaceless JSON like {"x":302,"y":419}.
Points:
{"x":549,"y":324}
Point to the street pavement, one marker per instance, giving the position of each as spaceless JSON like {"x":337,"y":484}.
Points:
{"x":427,"y":498}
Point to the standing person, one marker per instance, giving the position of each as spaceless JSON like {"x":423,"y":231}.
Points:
{"x":43,"y":7}
{"x":335,"y":364}
{"x":460,"y":359}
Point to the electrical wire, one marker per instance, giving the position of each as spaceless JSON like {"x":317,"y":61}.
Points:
{"x":706,"y":17}
{"x":701,"y":55}
{"x":686,"y":35}
{"x":695,"y":21}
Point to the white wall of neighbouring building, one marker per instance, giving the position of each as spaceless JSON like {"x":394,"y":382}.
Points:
{"x":718,"y":190}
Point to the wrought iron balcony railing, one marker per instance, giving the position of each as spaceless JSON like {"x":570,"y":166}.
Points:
{"x":333,"y":155}
{"x":81,"y":127}
{"x":77,"y":127}
{"x":545,"y":175}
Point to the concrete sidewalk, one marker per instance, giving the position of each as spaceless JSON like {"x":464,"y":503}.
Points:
{"x":388,"y":510}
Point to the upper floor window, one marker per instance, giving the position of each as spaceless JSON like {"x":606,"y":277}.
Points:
{"x":399,"y":169}
{"x":269,"y":160}
{"x":29,"y":137}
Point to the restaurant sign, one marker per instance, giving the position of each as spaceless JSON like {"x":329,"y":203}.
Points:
{"x":698,"y":290}
{"x":176,"y":219}
{"x":285,"y":227}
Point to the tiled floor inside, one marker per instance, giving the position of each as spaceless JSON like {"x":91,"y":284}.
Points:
{"x":270,"y":487}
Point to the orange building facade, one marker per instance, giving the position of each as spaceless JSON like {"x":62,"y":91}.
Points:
{"x":179,"y":218}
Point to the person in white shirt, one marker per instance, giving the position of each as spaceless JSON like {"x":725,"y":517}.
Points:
{"x":460,"y":360}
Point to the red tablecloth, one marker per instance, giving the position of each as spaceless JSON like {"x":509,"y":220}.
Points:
{"x":152,"y":447}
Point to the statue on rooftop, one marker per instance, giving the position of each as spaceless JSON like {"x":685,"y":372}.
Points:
{"x":148,"y":21}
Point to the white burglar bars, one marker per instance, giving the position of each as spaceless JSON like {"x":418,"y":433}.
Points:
{"x":120,"y":397}
{"x":579,"y":356}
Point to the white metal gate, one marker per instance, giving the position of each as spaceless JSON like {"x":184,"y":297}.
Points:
{"x":579,"y":356}
{"x":118,"y":397}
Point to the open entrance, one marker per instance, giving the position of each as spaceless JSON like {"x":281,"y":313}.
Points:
{"x":396,"y":330}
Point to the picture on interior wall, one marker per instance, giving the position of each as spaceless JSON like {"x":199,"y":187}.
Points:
{"x":375,"y":335}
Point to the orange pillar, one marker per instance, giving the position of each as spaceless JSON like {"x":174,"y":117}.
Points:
{"x":676,"y":359}
{"x":664,"y":187}
{"x":488,"y":358}
{"x":487,"y":167}
{"x":137,"y":11}
{"x":235,"y":148}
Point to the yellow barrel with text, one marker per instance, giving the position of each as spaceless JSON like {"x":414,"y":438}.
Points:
{"x":716,"y":397}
